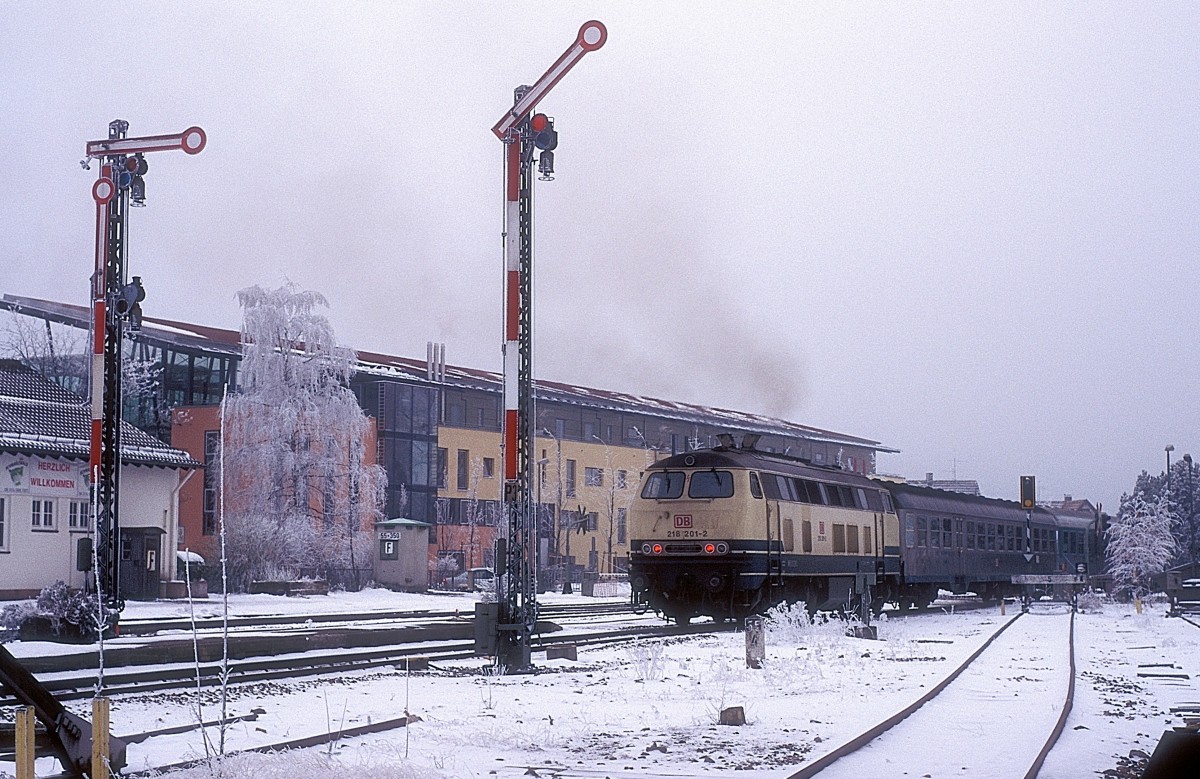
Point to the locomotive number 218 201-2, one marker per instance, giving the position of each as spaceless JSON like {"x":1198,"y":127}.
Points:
{"x":687,"y":534}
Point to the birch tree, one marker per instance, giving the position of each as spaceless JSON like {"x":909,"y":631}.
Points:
{"x":1140,"y":543}
{"x":301,"y":495}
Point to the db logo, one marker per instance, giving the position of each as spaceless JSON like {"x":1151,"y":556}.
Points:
{"x":683,"y":520}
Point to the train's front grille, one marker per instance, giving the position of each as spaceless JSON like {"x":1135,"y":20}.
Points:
{"x":683,"y":548}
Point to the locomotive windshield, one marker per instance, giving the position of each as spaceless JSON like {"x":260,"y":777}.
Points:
{"x":664,"y":485}
{"x":711,"y":484}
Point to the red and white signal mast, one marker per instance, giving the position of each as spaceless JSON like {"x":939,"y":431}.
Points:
{"x":115,"y":303}
{"x":523,"y":131}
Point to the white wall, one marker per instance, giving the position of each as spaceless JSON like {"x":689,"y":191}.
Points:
{"x":32,"y":559}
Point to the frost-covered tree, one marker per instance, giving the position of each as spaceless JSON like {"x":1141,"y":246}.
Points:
{"x":1182,"y":494}
{"x":1140,"y":543}
{"x":299,"y":492}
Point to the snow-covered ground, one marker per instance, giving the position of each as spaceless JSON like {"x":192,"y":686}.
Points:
{"x":650,"y":709}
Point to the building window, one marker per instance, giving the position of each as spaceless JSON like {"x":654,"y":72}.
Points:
{"x":589,"y":431}
{"x":570,"y":478}
{"x":489,"y":468}
{"x":622,"y":479}
{"x":212,"y":477}
{"x":43,"y":514}
{"x":464,"y":465}
{"x":593,"y":477}
{"x":621,"y":521}
{"x":79,"y":515}
{"x":443,"y":467}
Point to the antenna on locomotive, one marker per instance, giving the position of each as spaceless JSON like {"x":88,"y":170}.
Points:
{"x":750,"y":440}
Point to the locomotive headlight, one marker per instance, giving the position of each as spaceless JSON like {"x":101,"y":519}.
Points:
{"x":645,"y":548}
{"x":710,"y":548}
{"x":722,"y":547}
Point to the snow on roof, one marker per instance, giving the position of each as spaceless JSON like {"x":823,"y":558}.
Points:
{"x":373,"y":363}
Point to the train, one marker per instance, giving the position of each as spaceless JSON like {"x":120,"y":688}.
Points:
{"x":732,"y":531}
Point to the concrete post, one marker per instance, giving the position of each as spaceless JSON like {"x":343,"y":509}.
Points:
{"x":756,"y":642}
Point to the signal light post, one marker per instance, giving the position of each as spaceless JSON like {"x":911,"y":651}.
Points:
{"x":521,"y":134}
{"x":114,"y":304}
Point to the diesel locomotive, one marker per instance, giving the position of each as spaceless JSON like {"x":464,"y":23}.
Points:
{"x":732,"y":531}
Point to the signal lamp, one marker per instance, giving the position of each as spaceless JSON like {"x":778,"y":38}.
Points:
{"x":545,"y":137}
{"x":658,"y":549}
{"x":710,"y":548}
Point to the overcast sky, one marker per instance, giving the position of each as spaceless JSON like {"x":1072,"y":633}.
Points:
{"x":967,"y":230}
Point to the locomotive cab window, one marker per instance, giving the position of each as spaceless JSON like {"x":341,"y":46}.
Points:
{"x":711,"y":484}
{"x":664,"y":485}
{"x":755,"y":487}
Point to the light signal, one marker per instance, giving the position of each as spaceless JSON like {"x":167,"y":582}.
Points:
{"x":1028,"y":492}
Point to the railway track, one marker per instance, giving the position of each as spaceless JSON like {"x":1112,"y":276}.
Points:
{"x":75,"y":685}
{"x":981,"y":730}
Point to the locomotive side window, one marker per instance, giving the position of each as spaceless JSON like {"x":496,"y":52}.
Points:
{"x":711,"y":484}
{"x":664,"y":485}
{"x":832,"y":497}
{"x":867,"y":548}
{"x":839,"y":538}
{"x":808,"y":491}
{"x":852,"y":539}
{"x":770,"y":485}
{"x":887,"y":503}
{"x":755,"y":487}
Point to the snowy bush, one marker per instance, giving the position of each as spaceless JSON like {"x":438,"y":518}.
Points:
{"x":647,"y":659}
{"x":11,"y":618}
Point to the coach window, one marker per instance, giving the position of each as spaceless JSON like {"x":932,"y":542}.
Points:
{"x":970,"y":534}
{"x":947,"y":541}
{"x":839,"y":538}
{"x":922,"y":531}
{"x":910,"y":531}
{"x":935,"y":532}
{"x":664,"y":485}
{"x":3,"y":526}
{"x":711,"y":484}
{"x":755,"y":487}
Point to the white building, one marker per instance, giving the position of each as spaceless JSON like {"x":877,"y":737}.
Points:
{"x":44,"y":492}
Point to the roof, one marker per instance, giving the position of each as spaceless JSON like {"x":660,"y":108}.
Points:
{"x":965,"y":486}
{"x":213,"y":339}
{"x":918,"y":497}
{"x":401,"y":522}
{"x":39,"y":417}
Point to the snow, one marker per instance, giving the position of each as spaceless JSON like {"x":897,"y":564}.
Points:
{"x":650,"y":708}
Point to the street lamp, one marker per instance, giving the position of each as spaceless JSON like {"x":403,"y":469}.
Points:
{"x":1187,"y":458}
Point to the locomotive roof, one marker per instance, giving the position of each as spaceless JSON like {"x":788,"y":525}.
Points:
{"x":733,"y":457}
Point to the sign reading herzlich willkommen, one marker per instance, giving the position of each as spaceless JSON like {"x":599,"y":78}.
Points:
{"x":22,"y":474}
